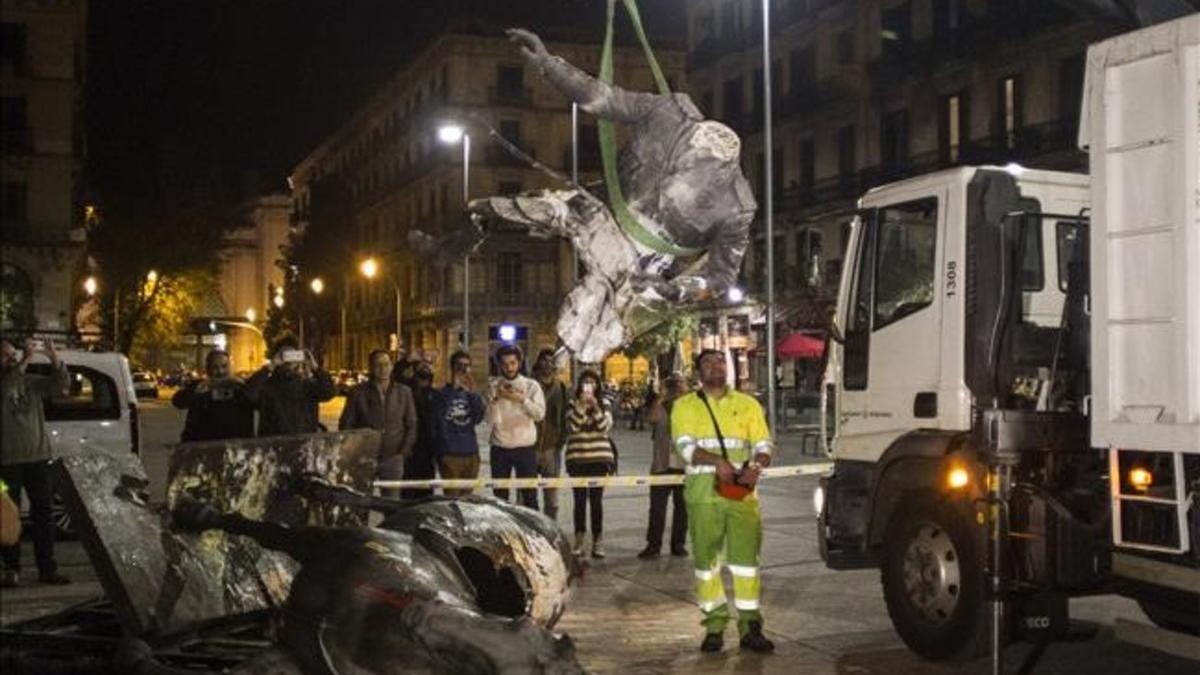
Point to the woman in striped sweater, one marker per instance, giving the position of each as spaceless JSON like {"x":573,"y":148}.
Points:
{"x":589,"y":453}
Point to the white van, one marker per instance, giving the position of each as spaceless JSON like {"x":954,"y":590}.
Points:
{"x":99,"y":410}
{"x":98,"y":413}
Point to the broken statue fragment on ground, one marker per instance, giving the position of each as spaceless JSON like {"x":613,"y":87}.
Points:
{"x":160,"y":582}
{"x":459,"y":586}
{"x":441,"y":586}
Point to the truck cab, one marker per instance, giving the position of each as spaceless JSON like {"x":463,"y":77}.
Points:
{"x":903,"y":298}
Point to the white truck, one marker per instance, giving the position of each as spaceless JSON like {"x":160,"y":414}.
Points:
{"x":1013,"y":395}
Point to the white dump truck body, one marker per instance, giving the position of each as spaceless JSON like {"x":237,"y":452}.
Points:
{"x":1141,"y":128}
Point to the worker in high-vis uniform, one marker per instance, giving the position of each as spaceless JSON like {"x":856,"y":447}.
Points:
{"x":722,"y":436}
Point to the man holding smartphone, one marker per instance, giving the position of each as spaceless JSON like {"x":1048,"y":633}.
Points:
{"x":288,"y":390}
{"x":25,"y":451}
{"x":217,"y":406}
{"x":460,"y":410}
{"x":514,"y":407}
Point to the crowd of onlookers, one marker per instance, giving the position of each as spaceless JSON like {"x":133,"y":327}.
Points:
{"x":539,"y":426}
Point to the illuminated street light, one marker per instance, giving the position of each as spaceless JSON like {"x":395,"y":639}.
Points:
{"x":251,"y":315}
{"x":736,"y":294}
{"x":369,"y":268}
{"x":90,"y":286}
{"x":152,"y":276}
{"x":278,"y":300}
{"x":450,"y":134}
{"x":317,"y":285}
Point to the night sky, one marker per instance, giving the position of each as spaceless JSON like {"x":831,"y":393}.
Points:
{"x":192,"y":101}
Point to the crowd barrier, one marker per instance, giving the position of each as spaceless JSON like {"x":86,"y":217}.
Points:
{"x":599,"y":481}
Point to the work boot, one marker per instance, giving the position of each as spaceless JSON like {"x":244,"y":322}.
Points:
{"x":713,"y":643}
{"x":679,"y":551}
{"x":597,"y":547}
{"x":11,"y":579}
{"x":755,"y":641}
{"x":580,"y":548}
{"x":649,"y":553}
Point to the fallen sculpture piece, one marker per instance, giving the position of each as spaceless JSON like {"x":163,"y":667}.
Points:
{"x":259,"y":531}
{"x":431,"y":596}
{"x":160,"y":582}
{"x":678,"y":233}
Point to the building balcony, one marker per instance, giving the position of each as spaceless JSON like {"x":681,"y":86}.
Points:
{"x":589,"y":158}
{"x":794,"y":12}
{"x":498,"y":156}
{"x":449,"y":302}
{"x":1026,"y":145}
{"x":711,"y":49}
{"x":975,"y":40}
{"x":510,"y":96}
{"x":811,"y":98}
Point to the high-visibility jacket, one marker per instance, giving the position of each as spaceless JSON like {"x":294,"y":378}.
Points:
{"x":743,"y":426}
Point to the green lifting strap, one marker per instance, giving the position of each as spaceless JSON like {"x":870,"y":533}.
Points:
{"x":608,"y":138}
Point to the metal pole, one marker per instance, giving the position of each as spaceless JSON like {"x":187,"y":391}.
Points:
{"x":770,"y":208}
{"x":575,"y":180}
{"x":117,"y":320}
{"x":466,"y":140}
{"x":396,"y":286}
{"x":345,"y":300}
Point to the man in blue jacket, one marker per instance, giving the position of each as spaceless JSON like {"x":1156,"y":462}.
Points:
{"x":461,"y":410}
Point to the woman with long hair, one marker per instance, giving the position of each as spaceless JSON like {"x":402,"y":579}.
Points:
{"x":589,"y":453}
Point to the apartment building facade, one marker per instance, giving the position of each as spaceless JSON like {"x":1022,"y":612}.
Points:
{"x":42,"y":219}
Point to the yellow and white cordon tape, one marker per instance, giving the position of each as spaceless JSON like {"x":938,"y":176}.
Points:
{"x":598,"y":481}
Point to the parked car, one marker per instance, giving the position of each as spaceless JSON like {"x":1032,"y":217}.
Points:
{"x":145,"y":385}
{"x":345,"y":380}
{"x":98,"y":413}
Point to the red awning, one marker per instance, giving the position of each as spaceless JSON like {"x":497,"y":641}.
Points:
{"x":800,"y":346}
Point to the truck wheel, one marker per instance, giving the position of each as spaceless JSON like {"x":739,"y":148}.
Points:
{"x":932,"y":579}
{"x":1178,"y":613}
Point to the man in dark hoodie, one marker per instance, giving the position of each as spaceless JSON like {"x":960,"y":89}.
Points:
{"x":419,"y":465}
{"x":461,"y":410}
{"x":288,"y":390}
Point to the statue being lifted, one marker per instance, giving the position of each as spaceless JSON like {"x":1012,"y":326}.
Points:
{"x":674,"y":229}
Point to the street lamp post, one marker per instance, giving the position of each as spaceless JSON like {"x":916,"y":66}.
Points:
{"x":768,"y":153}
{"x":574,"y":180}
{"x":451,"y":134}
{"x":317,"y":286}
{"x":369,"y":268}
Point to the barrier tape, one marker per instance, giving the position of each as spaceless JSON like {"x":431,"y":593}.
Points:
{"x":598,"y":481}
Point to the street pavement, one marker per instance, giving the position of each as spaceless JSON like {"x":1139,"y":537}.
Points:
{"x":633,"y":616}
